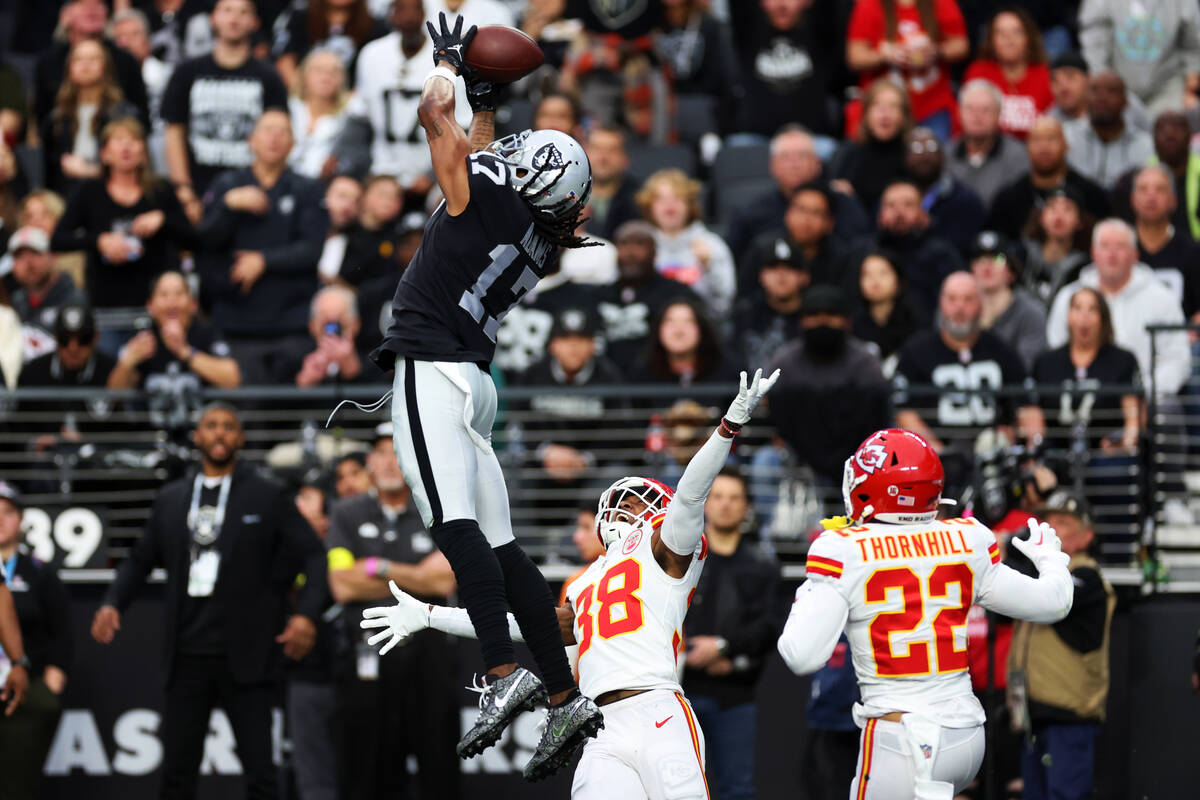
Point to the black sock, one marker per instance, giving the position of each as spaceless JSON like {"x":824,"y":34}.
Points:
{"x":532,"y":604}
{"x":480,"y":585}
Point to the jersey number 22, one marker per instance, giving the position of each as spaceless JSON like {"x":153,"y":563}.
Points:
{"x":887,"y":623}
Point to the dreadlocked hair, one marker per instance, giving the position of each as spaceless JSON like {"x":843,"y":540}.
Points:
{"x":558,"y":229}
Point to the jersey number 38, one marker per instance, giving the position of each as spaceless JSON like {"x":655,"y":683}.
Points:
{"x":886,"y":624}
{"x":610,"y":605}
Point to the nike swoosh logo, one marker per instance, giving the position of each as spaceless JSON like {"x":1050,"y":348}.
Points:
{"x":560,"y":729}
{"x":502,"y":700}
{"x":664,"y":722}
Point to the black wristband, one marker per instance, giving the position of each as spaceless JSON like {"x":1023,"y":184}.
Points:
{"x":731,"y":428}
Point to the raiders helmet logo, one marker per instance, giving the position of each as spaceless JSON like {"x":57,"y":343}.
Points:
{"x":548,"y":156}
{"x":870,"y":457}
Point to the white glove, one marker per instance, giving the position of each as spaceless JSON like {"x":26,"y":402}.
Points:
{"x":748,"y":397}
{"x":1043,"y":545}
{"x":408,"y":616}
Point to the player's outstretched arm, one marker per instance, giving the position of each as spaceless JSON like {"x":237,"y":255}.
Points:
{"x":409,"y":615}
{"x":1044,"y":600}
{"x":448,"y":144}
{"x":684,"y":523}
{"x":813,"y":626}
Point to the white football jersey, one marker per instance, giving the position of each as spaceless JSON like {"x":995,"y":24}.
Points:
{"x":629,"y":616}
{"x":387,"y":92}
{"x":909,"y":589}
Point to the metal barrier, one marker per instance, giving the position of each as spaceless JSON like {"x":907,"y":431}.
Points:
{"x":89,"y":493}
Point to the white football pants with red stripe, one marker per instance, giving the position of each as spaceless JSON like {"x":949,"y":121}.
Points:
{"x":651,"y":746}
{"x":888,"y":766}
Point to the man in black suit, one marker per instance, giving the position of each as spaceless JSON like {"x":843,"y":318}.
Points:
{"x":232,"y":543}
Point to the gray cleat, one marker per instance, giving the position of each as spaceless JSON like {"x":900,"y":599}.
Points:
{"x":567,"y":727}
{"x":500,"y":700}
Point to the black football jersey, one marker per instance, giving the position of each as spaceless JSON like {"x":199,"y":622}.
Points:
{"x":1091,"y":396}
{"x":962,"y":384}
{"x":469,"y":271}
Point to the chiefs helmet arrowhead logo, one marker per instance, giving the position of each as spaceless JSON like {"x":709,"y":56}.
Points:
{"x":870,"y":457}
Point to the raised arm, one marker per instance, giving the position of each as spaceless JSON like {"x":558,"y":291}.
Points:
{"x":448,"y":144}
{"x":675,"y":541}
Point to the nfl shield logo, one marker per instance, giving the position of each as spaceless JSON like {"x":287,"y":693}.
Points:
{"x":927,"y":751}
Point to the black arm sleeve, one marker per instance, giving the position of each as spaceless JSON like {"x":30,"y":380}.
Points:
{"x":1083,"y":628}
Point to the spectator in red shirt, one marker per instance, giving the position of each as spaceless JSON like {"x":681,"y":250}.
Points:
{"x":1012,"y":57}
{"x":913,"y":42}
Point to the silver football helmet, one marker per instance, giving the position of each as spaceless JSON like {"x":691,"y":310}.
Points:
{"x":548,"y":168}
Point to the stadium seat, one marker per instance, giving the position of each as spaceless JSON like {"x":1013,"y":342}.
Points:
{"x":739,"y":174}
{"x":646,"y":159}
{"x":695,"y":115}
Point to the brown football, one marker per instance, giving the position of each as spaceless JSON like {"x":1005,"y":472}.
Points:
{"x":502,"y":54}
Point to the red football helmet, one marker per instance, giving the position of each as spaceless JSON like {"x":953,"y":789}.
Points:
{"x":894,"y":476}
{"x":613,"y":521}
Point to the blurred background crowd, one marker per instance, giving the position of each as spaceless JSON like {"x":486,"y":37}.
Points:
{"x":974,"y":219}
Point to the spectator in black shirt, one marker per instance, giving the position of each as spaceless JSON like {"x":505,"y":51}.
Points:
{"x":794,"y":162}
{"x":44,"y":612}
{"x":1165,"y":248}
{"x":563,"y":425}
{"x":127,"y":222}
{"x":731,"y":627}
{"x":41,"y":287}
{"x":639,"y":294}
{"x":701,"y":56}
{"x":232,"y":543}
{"x":960,"y":355}
{"x":333,"y":324}
{"x":263,"y":232}
{"x":1058,"y":243}
{"x":88,"y":101}
{"x":788,"y":56}
{"x":768,"y":318}
{"x":925,"y":260}
{"x":683,"y":348}
{"x":82,"y":20}
{"x":955,"y":212}
{"x":371,"y":240}
{"x":406,"y":703}
{"x":177,"y":357}
{"x":887,"y":315}
{"x":866,"y":165}
{"x":829,"y":376}
{"x":808,"y":227}
{"x":212,"y":103}
{"x":1089,"y":368}
{"x":1048,"y":175}
{"x":612,"y":203}
{"x":75,"y":363}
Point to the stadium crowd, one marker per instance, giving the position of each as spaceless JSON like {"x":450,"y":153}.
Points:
{"x":964,"y":219}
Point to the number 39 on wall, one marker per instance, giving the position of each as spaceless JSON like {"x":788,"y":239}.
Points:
{"x":916,"y":661}
{"x":73,"y":536}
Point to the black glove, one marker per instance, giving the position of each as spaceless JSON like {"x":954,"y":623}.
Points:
{"x":450,"y":45}
{"x":481,"y":94}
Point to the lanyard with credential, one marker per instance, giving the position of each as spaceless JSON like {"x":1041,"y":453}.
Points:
{"x":205,"y":532}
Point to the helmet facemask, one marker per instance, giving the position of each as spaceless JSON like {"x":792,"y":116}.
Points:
{"x":627,"y":504}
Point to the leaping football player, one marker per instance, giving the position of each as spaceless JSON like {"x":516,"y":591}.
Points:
{"x":626,"y":614}
{"x":509,"y":206}
{"x":900,"y":582}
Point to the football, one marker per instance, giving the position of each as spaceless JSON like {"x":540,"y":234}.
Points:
{"x":502,"y":54}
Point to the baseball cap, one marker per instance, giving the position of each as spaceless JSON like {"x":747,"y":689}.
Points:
{"x":29,"y":238}
{"x":779,"y":253}
{"x":412,"y":222}
{"x":382,"y":431}
{"x":12,"y":494}
{"x":1069,"y":59}
{"x":1069,"y":192}
{"x":75,"y":319}
{"x":573,"y":322}
{"x":1061,"y":501}
{"x":990,"y":243}
{"x":824,"y":299}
